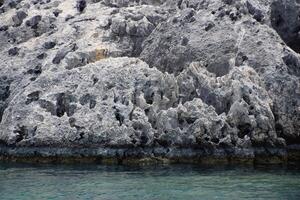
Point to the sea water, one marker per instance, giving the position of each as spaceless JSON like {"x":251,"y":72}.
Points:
{"x":113,"y":182}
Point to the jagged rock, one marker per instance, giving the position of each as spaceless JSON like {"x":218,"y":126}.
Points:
{"x":175,"y":78}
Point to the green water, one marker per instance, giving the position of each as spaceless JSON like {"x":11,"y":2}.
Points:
{"x":182,"y":182}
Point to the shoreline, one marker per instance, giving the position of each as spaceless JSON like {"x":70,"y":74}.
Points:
{"x":145,"y":156}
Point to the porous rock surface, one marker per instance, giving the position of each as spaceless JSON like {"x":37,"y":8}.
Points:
{"x":154,"y":78}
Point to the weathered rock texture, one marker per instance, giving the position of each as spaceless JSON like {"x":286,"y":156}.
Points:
{"x":182,"y":79}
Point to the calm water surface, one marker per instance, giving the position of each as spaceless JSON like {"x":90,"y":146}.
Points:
{"x":184,"y":182}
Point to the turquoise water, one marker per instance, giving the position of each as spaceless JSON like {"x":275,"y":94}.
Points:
{"x":182,"y":182}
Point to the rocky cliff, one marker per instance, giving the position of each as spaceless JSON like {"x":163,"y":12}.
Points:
{"x":173,"y":79}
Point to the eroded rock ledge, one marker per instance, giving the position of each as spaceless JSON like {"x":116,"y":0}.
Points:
{"x":128,"y":79}
{"x":158,"y":155}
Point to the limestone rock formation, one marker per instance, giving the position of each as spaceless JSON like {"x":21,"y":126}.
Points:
{"x":177,"y":79}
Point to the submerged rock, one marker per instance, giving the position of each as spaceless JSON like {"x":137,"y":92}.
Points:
{"x":177,"y":79}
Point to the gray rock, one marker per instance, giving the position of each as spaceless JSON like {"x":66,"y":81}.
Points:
{"x":174,"y":79}
{"x":34,"y":21}
{"x":19,"y":17}
{"x":49,"y":45}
